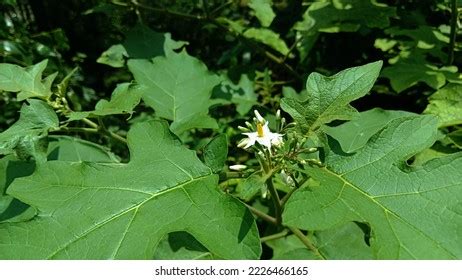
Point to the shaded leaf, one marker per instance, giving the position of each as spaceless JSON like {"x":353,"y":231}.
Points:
{"x":143,"y":42}
{"x":413,"y":68}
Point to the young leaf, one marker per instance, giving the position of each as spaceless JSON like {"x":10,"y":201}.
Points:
{"x":329,"y":97}
{"x":414,"y":212}
{"x":123,"y":100}
{"x":178,"y":87}
{"x":216,"y":153}
{"x":25,"y":136}
{"x":263,"y":11}
{"x":122,"y":211}
{"x":27,"y":82}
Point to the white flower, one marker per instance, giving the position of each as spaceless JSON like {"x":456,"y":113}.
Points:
{"x":263,"y":136}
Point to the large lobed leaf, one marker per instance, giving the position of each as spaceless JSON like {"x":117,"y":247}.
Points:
{"x":414,"y":212}
{"x":329,"y":97}
{"x":122,"y":211}
{"x":178,"y":87}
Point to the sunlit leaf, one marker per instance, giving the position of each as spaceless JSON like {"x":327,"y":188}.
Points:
{"x":122,"y":211}
{"x":414,"y":212}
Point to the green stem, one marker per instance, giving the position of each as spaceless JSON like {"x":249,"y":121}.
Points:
{"x":78,"y":129}
{"x":453,"y":34}
{"x":276,"y":201}
{"x":105,"y":131}
{"x":287,"y":196}
{"x":261,"y":215}
{"x":299,"y":234}
{"x":278,"y":235}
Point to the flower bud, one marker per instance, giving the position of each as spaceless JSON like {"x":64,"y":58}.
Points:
{"x":260,"y":119}
{"x":243,"y":129}
{"x":238,"y":167}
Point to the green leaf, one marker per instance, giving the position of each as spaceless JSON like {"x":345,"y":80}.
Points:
{"x":216,"y":153}
{"x":178,"y":87}
{"x":249,"y":187}
{"x":413,"y":68}
{"x":267,"y":37}
{"x":446,"y":104}
{"x":263,"y":11}
{"x":65,"y":148}
{"x":114,"y":56}
{"x":345,"y":16}
{"x":414,"y":212}
{"x":354,"y":134}
{"x":122,"y":211}
{"x":181,"y":246}
{"x":13,"y":210}
{"x":27,"y":82}
{"x":329,"y":97}
{"x":242,"y":95}
{"x":333,"y":16}
{"x":124,"y":99}
{"x":345,"y":242}
{"x":26,"y":136}
{"x":143,"y":42}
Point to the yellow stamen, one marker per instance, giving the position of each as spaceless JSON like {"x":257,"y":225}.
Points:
{"x":259,"y":129}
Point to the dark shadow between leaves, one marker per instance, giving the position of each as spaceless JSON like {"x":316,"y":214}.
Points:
{"x":246,"y":225}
